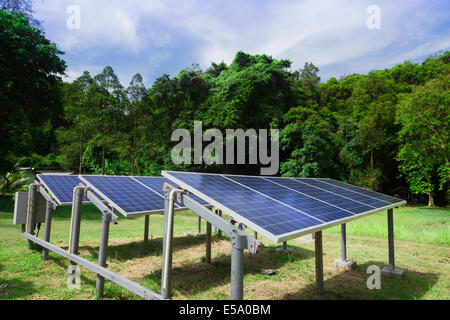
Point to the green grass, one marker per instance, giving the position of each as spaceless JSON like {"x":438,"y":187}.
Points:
{"x":416,"y":224}
{"x":422,"y":249}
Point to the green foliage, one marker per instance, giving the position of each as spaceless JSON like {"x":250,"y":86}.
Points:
{"x":380,"y":130}
{"x":30,"y":94}
{"x":425,"y":119}
{"x":13,"y":182}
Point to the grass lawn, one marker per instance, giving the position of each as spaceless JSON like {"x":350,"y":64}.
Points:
{"x":422,"y":249}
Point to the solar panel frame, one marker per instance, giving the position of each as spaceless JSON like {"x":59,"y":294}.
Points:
{"x":51,"y":190}
{"x":275,"y":238}
{"x":119,"y":208}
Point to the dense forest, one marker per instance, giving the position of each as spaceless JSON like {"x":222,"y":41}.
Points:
{"x":380,"y":130}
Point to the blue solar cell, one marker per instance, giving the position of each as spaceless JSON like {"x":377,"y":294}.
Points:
{"x":61,"y":186}
{"x":156,"y":184}
{"x":372,"y":194}
{"x":282,"y":208}
{"x":276,"y":189}
{"x":374,"y":203}
{"x":253,"y":208}
{"x":128,"y":195}
{"x":327,"y":198}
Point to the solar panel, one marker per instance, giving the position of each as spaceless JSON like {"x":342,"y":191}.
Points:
{"x":61,"y":187}
{"x":283,"y":208}
{"x":369,"y":193}
{"x":125,"y":194}
{"x":131,"y":196}
{"x":156,"y":184}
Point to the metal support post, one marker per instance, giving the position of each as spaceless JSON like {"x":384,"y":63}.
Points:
{"x":219,"y":232}
{"x":391,"y":270}
{"x":106,"y":220}
{"x":32,"y":212}
{"x":199,"y":225}
{"x":147,"y":217}
{"x":343,"y":262}
{"x":237,"y":267}
{"x":208,"y":243}
{"x":75,"y":229}
{"x":255,"y":235}
{"x":239,"y":240}
{"x":48,"y":226}
{"x":284,"y":248}
{"x":319,"y":261}
{"x":167,"y":249}
{"x":77,"y":205}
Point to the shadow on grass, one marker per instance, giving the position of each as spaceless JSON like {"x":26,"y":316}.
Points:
{"x":140,"y":249}
{"x":352,"y":285}
{"x":64,"y":264}
{"x":195,"y":277}
{"x":16,"y":289}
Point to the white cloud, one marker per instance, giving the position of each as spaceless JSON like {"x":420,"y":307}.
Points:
{"x":323,"y":32}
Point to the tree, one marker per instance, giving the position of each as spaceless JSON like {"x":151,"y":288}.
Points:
{"x":310,"y":144}
{"x":424,"y":117}
{"x":78,"y":129}
{"x":137,"y":96}
{"x":22,"y":6}
{"x":107,"y":107}
{"x":30,"y":89}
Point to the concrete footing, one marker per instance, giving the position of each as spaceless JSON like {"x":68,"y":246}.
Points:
{"x":193,"y":234}
{"x":347,"y":264}
{"x":284,"y":250}
{"x":392,"y":272}
{"x":309,"y":238}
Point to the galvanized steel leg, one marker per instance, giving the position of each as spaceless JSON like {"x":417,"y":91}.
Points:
{"x":391,"y":270}
{"x":106,"y":220}
{"x":319,"y":261}
{"x":390,"y":216}
{"x":343,"y":262}
{"x":284,"y":245}
{"x":343,"y":242}
{"x":255,"y":235}
{"x":75,"y":239}
{"x":166,"y":291}
{"x":220,"y":231}
{"x":76,"y":221}
{"x":33,"y":212}
{"x":147,"y":217}
{"x":48,"y":226}
{"x":208,"y":243}
{"x":237,"y":272}
{"x":199,"y":225}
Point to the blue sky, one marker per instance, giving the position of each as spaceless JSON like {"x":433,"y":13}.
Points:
{"x":154,"y":37}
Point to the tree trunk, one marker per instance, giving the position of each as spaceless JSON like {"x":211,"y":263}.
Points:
{"x":103,"y":152}
{"x":137,"y":167}
{"x":430,"y":199}
{"x":81,"y":153}
{"x":430,"y":195}
{"x":134,"y":146}
{"x":371,"y":161}
{"x":103,"y":159}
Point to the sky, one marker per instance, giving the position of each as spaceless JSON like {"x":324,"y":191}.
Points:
{"x":156,"y":37}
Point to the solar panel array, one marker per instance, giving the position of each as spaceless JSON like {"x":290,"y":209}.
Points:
{"x":283,"y":208}
{"x":128,"y":195}
{"x":61,"y":187}
{"x":131,"y":195}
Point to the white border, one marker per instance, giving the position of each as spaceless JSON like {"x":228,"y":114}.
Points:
{"x":112,"y":203}
{"x":53,"y":195}
{"x":357,"y":188}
